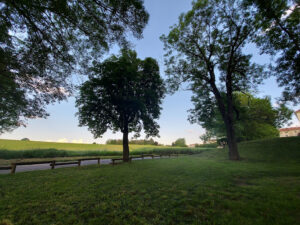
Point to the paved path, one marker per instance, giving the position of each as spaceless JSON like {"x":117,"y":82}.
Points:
{"x":46,"y":166}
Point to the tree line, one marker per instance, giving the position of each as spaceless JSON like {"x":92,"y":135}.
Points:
{"x":133,"y":142}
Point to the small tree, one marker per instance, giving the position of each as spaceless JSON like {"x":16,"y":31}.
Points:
{"x":123,"y":94}
{"x":25,"y":139}
{"x":206,"y":137}
{"x":180,"y":142}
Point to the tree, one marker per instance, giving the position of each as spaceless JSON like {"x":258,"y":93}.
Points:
{"x":25,"y":139}
{"x":132,"y":141}
{"x":205,"y":49}
{"x":123,"y":94}
{"x":180,"y":142}
{"x":279,"y":34}
{"x":255,"y":118}
{"x":43,"y":42}
{"x":207,"y":136}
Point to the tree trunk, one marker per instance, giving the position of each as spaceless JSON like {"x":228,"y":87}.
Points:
{"x":232,"y":145}
{"x":125,"y":146}
{"x":228,"y":120}
{"x":229,"y":123}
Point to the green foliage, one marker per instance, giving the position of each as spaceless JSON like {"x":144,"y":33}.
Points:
{"x":6,"y":222}
{"x":43,"y":42}
{"x":207,"y":136}
{"x":123,"y":94}
{"x":134,"y":142}
{"x":205,"y":49}
{"x":212,"y":145}
{"x":180,"y":142}
{"x":255,"y":118}
{"x":279,"y":35}
{"x":199,"y":189}
{"x":25,"y":139}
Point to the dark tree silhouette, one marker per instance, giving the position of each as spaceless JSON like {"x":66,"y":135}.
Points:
{"x":123,"y":94}
{"x":42,"y":42}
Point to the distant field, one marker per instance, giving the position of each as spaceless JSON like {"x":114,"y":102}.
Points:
{"x":13,"y":149}
{"x":34,"y":145}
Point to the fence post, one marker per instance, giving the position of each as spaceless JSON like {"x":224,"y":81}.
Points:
{"x":79,"y":162}
{"x":98,"y":161}
{"x":13,"y":168}
{"x":52,"y":165}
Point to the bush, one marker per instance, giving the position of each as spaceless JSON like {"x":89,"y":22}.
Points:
{"x":180,"y":142}
{"x":25,"y":139}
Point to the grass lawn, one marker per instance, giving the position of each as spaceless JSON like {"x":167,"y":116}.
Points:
{"x":263,"y":188}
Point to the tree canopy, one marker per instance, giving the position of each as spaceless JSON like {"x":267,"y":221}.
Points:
{"x":279,"y":35}
{"x":132,"y":141}
{"x":180,"y":142}
{"x":43,"y":42}
{"x":124,"y":94}
{"x":205,"y":49}
{"x":255,"y":118}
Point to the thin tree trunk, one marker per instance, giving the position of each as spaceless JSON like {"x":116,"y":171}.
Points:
{"x":125,"y":146}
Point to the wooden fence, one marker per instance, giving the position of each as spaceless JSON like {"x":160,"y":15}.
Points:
{"x":77,"y":162}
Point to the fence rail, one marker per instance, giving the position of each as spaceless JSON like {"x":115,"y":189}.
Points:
{"x":53,"y":163}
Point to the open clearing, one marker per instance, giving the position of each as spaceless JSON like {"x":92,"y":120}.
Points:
{"x":263,"y":188}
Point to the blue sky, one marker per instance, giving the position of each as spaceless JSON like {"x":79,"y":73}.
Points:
{"x":62,"y":125}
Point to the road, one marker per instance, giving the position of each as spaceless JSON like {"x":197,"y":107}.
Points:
{"x":46,"y":166}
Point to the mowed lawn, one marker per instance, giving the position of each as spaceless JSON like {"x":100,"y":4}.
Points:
{"x":262,"y":188}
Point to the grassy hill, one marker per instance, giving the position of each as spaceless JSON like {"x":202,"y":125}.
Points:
{"x":263,"y":188}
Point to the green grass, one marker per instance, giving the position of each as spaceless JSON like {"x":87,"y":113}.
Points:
{"x":13,"y":149}
{"x":15,"y":145}
{"x":263,"y":188}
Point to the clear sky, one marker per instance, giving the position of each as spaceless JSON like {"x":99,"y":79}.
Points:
{"x":62,"y":125}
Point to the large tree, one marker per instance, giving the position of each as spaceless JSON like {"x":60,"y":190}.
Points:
{"x":205,"y":49}
{"x":255,"y":118}
{"x":279,"y":35}
{"x":42,"y":42}
{"x":123,"y":94}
